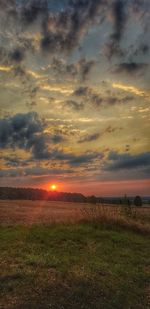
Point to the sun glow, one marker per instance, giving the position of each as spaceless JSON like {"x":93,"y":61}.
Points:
{"x":53,"y":187}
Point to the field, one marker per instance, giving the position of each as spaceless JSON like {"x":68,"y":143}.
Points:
{"x":96,"y":257}
{"x":46,"y":212}
{"x":34,"y":212}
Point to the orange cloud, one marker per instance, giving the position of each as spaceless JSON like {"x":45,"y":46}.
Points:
{"x":131,"y":89}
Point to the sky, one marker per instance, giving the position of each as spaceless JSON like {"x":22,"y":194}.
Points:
{"x":75,"y":96}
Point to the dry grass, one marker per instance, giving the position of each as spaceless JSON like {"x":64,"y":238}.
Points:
{"x":35,"y":212}
{"x":134,"y":218}
{"x":47,"y":212}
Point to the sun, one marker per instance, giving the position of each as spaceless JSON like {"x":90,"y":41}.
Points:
{"x":53,"y":187}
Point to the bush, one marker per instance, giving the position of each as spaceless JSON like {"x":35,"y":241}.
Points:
{"x":138,"y":201}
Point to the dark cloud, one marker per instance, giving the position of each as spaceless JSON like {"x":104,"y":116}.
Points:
{"x":56,"y":139}
{"x":18,"y":129}
{"x":119,"y":18}
{"x":75,"y":160}
{"x":89,"y":138}
{"x":127,"y":161}
{"x":71,"y":25}
{"x":82,"y":91}
{"x":127,"y":99}
{"x":97,"y":99}
{"x":13,"y":161}
{"x":89,"y":94}
{"x":142,"y":49}
{"x":83,"y":159}
{"x":33,"y":171}
{"x":24,"y":131}
{"x":32,"y":9}
{"x":127,"y":148}
{"x":80,"y":69}
{"x":112,"y":49}
{"x":60,"y":67}
{"x":62,"y":29}
{"x":39,"y":171}
{"x":130,"y":67}
{"x":63,"y":26}
{"x":17,"y":55}
{"x":10,"y":173}
{"x":111,"y":129}
{"x":76,"y":106}
{"x":85,"y":67}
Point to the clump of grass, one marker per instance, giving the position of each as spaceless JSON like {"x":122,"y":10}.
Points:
{"x":123,"y":216}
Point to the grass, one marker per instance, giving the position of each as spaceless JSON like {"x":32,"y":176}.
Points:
{"x":90,"y":265}
{"x":129,"y":217}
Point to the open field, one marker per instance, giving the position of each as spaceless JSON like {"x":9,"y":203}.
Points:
{"x":45,"y":212}
{"x":99,"y":261}
{"x":74,"y":266}
{"x":34,"y":212}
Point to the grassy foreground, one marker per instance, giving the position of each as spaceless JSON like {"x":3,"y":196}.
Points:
{"x":74,"y":267}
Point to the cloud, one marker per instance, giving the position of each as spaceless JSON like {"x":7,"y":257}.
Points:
{"x":57,"y":139}
{"x":17,"y":55}
{"x":41,"y":25}
{"x":81,"y":68}
{"x":127,"y":161}
{"x":112,"y":49}
{"x":18,"y":130}
{"x":111,"y":129}
{"x":14,"y":161}
{"x":74,"y":105}
{"x":89,"y":138}
{"x":85,"y":67}
{"x":63,"y":31}
{"x":96,"y":136}
{"x":6,"y":68}
{"x":131,"y":67}
{"x":73,"y":159}
{"x":24,"y":131}
{"x":83,"y":159}
{"x":89,"y":94}
{"x":39,"y":171}
{"x":140,"y":49}
{"x":31,"y":10}
{"x":66,"y":90}
{"x":119,"y":18}
{"x":34,"y":172}
{"x":131,"y":89}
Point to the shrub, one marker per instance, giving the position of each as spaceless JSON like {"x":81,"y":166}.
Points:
{"x":138,"y":201}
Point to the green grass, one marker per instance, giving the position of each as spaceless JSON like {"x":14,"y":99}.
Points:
{"x":74,"y":266}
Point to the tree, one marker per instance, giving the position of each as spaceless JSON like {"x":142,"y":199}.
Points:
{"x":138,"y":201}
{"x":92,"y":199}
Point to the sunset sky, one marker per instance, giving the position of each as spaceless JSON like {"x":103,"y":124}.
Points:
{"x":74,"y":95}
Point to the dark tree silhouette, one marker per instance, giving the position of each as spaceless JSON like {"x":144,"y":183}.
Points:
{"x":92,"y":199}
{"x":138,"y":201}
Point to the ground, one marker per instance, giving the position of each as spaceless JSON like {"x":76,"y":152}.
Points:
{"x":34,"y":212}
{"x":74,"y":266}
{"x":37,"y":212}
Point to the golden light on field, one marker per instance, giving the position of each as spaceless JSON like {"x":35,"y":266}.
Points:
{"x":53,"y":187}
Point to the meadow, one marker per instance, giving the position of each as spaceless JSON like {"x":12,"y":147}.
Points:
{"x":69,"y":255}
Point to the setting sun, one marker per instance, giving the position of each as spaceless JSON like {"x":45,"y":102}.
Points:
{"x":53,"y":187}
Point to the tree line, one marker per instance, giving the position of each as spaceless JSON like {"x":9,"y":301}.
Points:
{"x":40,"y":194}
